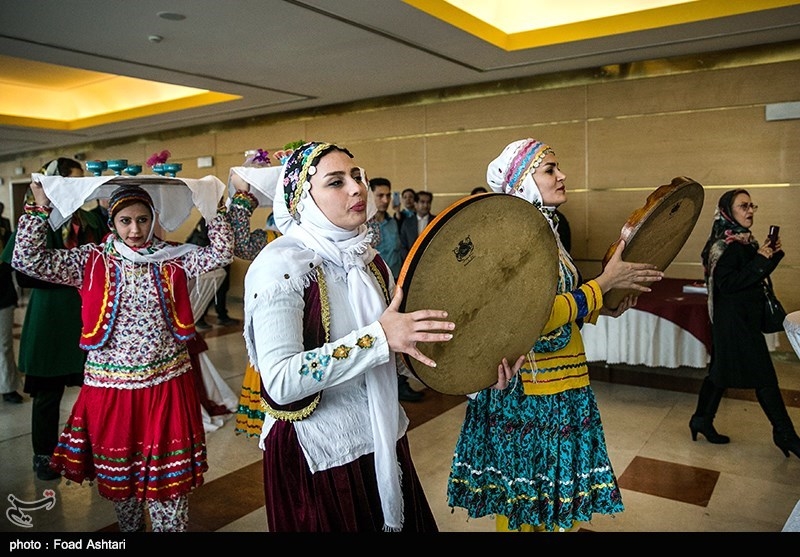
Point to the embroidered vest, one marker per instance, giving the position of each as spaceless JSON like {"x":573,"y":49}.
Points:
{"x":100,"y":306}
{"x":316,"y":332}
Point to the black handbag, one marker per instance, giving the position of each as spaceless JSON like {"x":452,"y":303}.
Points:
{"x":774,"y":314}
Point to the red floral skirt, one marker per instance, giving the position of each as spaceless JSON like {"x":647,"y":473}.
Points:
{"x":145,"y":443}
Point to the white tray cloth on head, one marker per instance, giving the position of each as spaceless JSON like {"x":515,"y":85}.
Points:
{"x":263,"y":182}
{"x":172,"y":201}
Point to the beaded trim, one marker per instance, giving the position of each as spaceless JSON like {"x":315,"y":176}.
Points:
{"x":379,"y":277}
{"x":306,"y":170}
{"x":526,"y":162}
{"x":324,"y":304}
{"x":325,"y":308}
{"x":291,"y":415}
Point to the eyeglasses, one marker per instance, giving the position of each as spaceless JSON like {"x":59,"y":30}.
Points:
{"x":746,"y":206}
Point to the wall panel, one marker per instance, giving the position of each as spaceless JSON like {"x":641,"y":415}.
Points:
{"x":619,"y":133}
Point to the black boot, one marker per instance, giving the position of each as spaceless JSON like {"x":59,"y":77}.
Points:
{"x":41,"y":465}
{"x":703,"y":419}
{"x":783,"y":433}
{"x":404,"y":391}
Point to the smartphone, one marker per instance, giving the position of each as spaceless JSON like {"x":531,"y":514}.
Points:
{"x":774,"y":230}
{"x":395,"y":199}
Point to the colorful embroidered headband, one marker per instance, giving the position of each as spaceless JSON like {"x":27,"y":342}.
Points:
{"x":299,"y":168}
{"x":127,"y":195}
{"x":512,"y":171}
{"x":525,"y":161}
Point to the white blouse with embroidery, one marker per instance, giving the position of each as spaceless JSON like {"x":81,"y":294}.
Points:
{"x":339,"y":430}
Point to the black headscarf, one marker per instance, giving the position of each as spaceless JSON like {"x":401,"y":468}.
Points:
{"x":724,"y":231}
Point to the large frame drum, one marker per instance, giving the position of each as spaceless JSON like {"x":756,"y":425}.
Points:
{"x":491,"y":261}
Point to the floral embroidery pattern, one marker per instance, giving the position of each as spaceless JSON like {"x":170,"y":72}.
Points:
{"x":315,"y":364}
{"x":341,"y":352}
{"x":366,"y":341}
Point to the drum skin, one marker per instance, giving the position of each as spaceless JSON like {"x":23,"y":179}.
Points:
{"x":491,"y":261}
{"x":656,"y":232}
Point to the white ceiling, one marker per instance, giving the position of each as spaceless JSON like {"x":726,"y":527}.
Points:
{"x":287,"y":55}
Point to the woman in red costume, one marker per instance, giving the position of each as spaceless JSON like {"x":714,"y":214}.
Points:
{"x":136,"y":427}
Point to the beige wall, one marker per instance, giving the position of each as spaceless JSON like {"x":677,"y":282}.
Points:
{"x":619,"y":133}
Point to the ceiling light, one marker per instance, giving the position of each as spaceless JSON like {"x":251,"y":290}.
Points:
{"x":172,"y":16}
{"x":155,"y":38}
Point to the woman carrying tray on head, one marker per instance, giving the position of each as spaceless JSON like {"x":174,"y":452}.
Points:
{"x":533,"y":454}
{"x":136,"y":426}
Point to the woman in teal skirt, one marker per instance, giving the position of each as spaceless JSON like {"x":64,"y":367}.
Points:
{"x":534,"y":454}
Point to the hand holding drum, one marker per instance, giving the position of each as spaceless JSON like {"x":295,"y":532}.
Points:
{"x":405,"y":330}
{"x":622,"y":274}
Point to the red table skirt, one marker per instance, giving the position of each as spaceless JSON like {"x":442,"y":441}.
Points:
{"x":689,"y":311}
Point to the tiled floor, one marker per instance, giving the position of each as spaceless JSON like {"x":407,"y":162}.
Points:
{"x":669,"y":483}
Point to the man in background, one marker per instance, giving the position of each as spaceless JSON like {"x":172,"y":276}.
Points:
{"x":388,"y":228}
{"x":199,"y":237}
{"x":404,"y":206}
{"x":412,"y":227}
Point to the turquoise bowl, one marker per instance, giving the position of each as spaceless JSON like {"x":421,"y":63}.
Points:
{"x":173,"y":168}
{"x":133,"y":169}
{"x":117,"y":165}
{"x":96,"y":167}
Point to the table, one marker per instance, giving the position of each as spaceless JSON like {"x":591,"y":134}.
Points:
{"x":792,"y":326}
{"x":667,"y":328}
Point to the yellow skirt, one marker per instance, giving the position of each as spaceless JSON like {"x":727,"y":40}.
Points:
{"x":250,"y":414}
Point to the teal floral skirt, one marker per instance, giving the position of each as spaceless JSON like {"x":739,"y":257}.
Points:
{"x":536,"y":459}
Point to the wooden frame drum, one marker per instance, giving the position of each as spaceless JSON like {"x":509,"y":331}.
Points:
{"x":491,"y":261}
{"x":657,"y":232}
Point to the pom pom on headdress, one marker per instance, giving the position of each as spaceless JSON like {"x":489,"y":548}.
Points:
{"x":158,"y":158}
{"x":257,"y":158}
{"x":283,"y":154}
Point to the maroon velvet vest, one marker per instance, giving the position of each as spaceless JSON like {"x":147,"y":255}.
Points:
{"x":314,"y":333}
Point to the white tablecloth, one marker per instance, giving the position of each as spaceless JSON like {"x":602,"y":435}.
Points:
{"x":792,"y":326}
{"x":642,"y":338}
